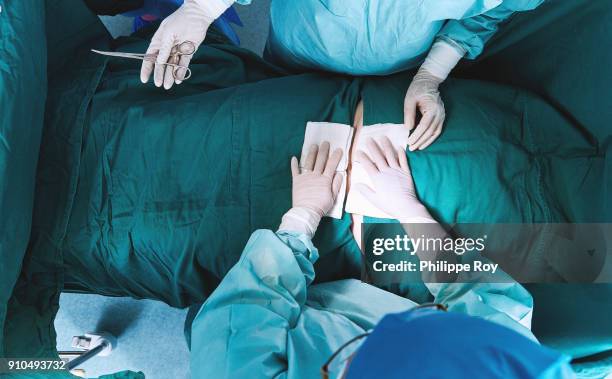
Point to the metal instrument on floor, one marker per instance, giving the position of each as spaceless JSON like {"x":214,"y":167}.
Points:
{"x":90,"y":345}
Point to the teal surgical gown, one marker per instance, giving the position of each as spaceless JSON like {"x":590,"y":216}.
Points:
{"x":265,"y":320}
{"x":364,"y":37}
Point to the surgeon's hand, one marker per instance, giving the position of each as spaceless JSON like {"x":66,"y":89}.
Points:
{"x":393,"y":189}
{"x":315,"y":183}
{"x":188,"y":23}
{"x":315,"y":187}
{"x":423,"y":96}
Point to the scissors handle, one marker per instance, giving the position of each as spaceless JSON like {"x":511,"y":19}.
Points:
{"x":185,"y":48}
{"x":176,"y":68}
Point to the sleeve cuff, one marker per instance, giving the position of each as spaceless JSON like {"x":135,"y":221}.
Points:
{"x":304,"y":252}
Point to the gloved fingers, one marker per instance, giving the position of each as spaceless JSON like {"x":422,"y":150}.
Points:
{"x":147,"y":68}
{"x":295,"y":167}
{"x":169,"y":72}
{"x":420,"y":129}
{"x":427,"y":133}
{"x":435,"y":136}
{"x":180,"y":71}
{"x":336,"y":185}
{"x":311,"y":156}
{"x":162,"y":57}
{"x":438,"y":129}
{"x":322,"y":157}
{"x":389,"y":152}
{"x":410,"y":107}
{"x":367,"y":163}
{"x":403,"y":160}
{"x":332,"y":163}
{"x":376,"y":154}
{"x":153,"y":50}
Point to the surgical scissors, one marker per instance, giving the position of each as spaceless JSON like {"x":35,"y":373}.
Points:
{"x":184,"y":48}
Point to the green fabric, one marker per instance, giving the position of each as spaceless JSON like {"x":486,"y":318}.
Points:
{"x":152,"y":217}
{"x":23,"y":88}
{"x":61,"y":27}
{"x":570,"y":301}
{"x":558,"y":52}
{"x":35,"y":298}
{"x":501,"y":158}
{"x":205,"y":181}
{"x":147,"y":193}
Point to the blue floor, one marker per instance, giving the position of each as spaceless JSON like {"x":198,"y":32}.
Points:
{"x":150,"y":333}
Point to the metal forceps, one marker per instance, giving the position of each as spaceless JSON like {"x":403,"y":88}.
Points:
{"x":184,"y":48}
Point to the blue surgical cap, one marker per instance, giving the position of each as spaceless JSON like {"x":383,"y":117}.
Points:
{"x":428,"y":343}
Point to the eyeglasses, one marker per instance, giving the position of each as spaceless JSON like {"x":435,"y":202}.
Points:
{"x":342,"y":357}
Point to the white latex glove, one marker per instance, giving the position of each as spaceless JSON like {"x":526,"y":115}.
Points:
{"x":423,"y":95}
{"x":315,"y":187}
{"x":188,"y":23}
{"x":394,"y":191}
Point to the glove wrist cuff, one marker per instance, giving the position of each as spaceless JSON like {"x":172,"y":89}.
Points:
{"x":301,"y":220}
{"x":212,"y":9}
{"x":442,"y":58}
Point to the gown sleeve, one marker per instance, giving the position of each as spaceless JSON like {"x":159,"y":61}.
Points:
{"x":241,"y":330}
{"x":470,"y":35}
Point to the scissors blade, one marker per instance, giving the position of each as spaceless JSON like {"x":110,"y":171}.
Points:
{"x":119,"y":54}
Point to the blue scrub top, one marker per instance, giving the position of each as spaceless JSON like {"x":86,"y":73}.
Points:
{"x":378,"y":37}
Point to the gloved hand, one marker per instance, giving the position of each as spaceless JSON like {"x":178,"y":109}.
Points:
{"x":393,"y":191}
{"x":188,"y":23}
{"x":423,"y":94}
{"x":315,"y":187}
